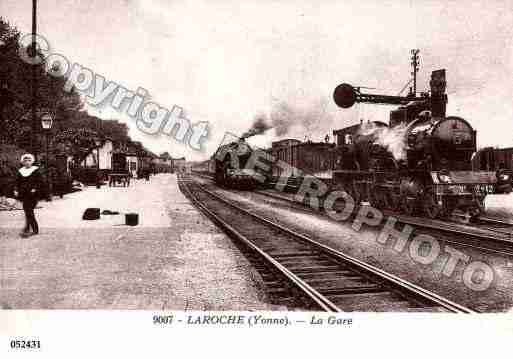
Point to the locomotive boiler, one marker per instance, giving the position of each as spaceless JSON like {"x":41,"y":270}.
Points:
{"x":419,"y":163}
{"x":230,"y":163}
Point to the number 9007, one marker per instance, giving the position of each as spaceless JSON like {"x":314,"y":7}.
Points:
{"x":162,"y":319}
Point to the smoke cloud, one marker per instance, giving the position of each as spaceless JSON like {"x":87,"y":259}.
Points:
{"x":260,"y":125}
{"x":391,"y":138}
{"x":311,"y":119}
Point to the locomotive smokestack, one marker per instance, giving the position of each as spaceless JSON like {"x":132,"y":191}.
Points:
{"x":438,"y":96}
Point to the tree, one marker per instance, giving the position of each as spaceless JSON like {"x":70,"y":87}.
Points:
{"x":74,"y":130}
{"x":165,"y":156}
{"x":16,"y":81}
{"x":76,"y":142}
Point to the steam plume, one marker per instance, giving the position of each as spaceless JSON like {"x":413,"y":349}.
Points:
{"x":392,"y":138}
{"x":311,"y":119}
{"x":260,"y":125}
{"x":287,"y":119}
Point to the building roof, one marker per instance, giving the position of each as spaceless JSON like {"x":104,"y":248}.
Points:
{"x":316,"y":144}
{"x":307,"y":144}
{"x":354,"y":128}
{"x":279,"y":142}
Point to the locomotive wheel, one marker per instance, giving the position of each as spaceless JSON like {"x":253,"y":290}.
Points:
{"x":392,"y":201}
{"x":382,"y":199}
{"x":479,"y":206}
{"x":373,"y":199}
{"x":431,"y":208}
{"x":355,"y":193}
{"x":408,"y":206}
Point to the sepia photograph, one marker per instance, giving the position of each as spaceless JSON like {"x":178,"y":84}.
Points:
{"x":299,"y":164}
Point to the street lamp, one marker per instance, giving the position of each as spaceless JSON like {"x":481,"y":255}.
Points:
{"x":46,"y":121}
{"x":98,"y":143}
{"x":46,"y":124}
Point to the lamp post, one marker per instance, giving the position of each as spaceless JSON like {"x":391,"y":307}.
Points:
{"x":34,"y":79}
{"x":46,"y":124}
{"x":98,"y":143}
{"x":5,"y":99}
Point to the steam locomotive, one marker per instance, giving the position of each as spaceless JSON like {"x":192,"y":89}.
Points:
{"x":231,"y":168}
{"x":229,"y":164}
{"x":418,"y":164}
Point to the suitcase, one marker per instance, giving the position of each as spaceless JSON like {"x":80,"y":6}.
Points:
{"x":91,"y":214}
{"x":131,"y":219}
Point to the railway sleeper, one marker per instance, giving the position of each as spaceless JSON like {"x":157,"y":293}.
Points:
{"x":272,"y":249}
{"x":289,"y":296}
{"x":309,"y":262}
{"x":307,"y":275}
{"x":262,"y":267}
{"x":273,"y":283}
{"x":284,"y":255}
{"x":384,"y":307}
{"x":305,"y":259}
{"x":323,"y":268}
{"x":379,"y":302}
{"x":350,"y":290}
{"x":278,"y":290}
{"x":335,"y":279}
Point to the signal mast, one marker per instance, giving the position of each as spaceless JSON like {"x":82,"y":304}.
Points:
{"x":415,"y":66}
{"x":346,"y":95}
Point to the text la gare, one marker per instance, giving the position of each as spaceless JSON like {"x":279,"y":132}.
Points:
{"x":331,"y":320}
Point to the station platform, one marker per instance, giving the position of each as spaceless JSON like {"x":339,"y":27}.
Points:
{"x":175,"y":259}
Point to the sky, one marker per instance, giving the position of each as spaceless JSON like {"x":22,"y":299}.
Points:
{"x":227,"y":62}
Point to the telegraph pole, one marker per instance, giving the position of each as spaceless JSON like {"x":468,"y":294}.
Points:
{"x":415,"y":68}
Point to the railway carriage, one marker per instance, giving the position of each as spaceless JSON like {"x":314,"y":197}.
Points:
{"x":499,"y":160}
{"x":204,"y":167}
{"x":304,"y":158}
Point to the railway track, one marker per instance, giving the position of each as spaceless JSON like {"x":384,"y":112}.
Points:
{"x":489,"y":235}
{"x":493,"y":237}
{"x":308,"y":274}
{"x":496,"y":225}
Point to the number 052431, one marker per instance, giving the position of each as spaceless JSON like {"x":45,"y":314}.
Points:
{"x":25,"y":344}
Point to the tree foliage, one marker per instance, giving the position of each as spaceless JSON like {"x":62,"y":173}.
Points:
{"x":16,"y":81}
{"x":74,"y":131}
{"x":165,"y":155}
